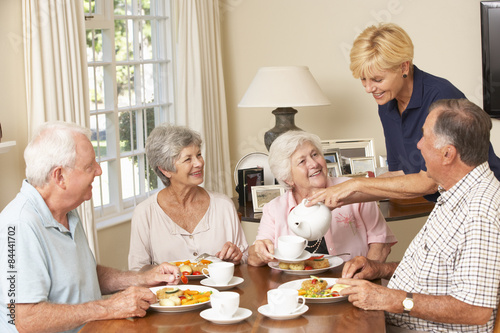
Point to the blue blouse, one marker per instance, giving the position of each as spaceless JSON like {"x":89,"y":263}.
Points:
{"x":402,"y":132}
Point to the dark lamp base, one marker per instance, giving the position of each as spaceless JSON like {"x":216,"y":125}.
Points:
{"x":284,"y":122}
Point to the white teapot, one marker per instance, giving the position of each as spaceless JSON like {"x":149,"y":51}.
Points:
{"x":312,"y":223}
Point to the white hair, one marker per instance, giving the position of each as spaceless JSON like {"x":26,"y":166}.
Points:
{"x":52,"y":145}
{"x":282,"y":149}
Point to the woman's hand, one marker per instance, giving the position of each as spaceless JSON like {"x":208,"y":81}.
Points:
{"x":334,"y":196}
{"x":261,"y":252}
{"x":230,"y":252}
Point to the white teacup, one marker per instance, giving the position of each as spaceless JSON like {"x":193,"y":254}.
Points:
{"x":219,"y":272}
{"x":291,"y":246}
{"x":225,"y":303}
{"x":284,"y":301}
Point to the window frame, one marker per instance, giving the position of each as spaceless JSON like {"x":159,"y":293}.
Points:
{"x":120,"y":209}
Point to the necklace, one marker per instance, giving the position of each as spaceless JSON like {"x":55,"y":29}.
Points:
{"x":317,"y":244}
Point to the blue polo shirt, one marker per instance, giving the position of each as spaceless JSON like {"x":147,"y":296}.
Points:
{"x":41,"y":260}
{"x":402,"y":132}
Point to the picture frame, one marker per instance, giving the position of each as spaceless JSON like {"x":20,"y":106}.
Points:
{"x":346,"y":149}
{"x":362,"y":164}
{"x":333,"y":170}
{"x":248,"y":178}
{"x":263,"y":194}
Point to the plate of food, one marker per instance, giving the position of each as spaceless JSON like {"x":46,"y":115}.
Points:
{"x":317,"y":290}
{"x":313,"y":265}
{"x":192,"y":269}
{"x":181,"y":298}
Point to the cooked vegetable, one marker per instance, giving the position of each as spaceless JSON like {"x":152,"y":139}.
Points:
{"x":186,"y":269}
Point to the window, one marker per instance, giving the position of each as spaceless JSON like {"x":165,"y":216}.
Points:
{"x":130,"y":70}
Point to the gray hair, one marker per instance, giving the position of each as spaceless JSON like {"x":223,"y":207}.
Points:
{"x":282,"y":149}
{"x":52,"y":145}
{"x":464,"y":125}
{"x":164,"y":146}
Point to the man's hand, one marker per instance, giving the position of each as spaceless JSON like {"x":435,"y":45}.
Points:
{"x":368,"y":296}
{"x":132,"y":302}
{"x":361,"y":268}
{"x":230,"y":252}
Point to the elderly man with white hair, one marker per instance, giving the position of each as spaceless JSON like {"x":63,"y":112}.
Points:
{"x":50,"y":281}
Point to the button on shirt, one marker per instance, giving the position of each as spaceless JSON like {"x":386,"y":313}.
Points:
{"x":456,"y":253}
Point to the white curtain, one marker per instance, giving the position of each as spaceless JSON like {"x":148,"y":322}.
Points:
{"x":56,"y":73}
{"x":201,"y":100}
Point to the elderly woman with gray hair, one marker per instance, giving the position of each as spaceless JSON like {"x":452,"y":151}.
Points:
{"x":183,"y":220}
{"x":297,"y":162}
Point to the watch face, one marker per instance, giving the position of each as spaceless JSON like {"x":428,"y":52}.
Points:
{"x":408,"y":304}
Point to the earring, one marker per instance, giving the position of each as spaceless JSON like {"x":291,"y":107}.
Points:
{"x":405,"y":76}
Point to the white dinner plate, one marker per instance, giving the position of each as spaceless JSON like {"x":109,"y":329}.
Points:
{"x":297,"y":284}
{"x":195,"y":277}
{"x":181,"y":308}
{"x":266,"y":311}
{"x":235,"y":280}
{"x":254,"y":160}
{"x":240,"y":315}
{"x":281,"y":257}
{"x":334,"y":262}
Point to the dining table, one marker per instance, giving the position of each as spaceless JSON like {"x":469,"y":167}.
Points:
{"x":340,"y":316}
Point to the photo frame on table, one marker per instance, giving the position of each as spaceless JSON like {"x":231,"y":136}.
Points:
{"x":248,"y":178}
{"x":362,"y":164}
{"x":333,"y":170}
{"x":263,"y":194}
{"x":332,"y":156}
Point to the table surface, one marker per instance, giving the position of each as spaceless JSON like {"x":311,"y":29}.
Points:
{"x":324,"y":317}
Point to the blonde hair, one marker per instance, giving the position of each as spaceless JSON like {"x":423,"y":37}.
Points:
{"x":380,"y":48}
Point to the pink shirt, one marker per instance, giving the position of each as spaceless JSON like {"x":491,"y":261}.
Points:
{"x":352,"y":228}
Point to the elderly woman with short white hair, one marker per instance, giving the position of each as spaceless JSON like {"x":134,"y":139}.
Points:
{"x":183,"y":220}
{"x":297,"y":162}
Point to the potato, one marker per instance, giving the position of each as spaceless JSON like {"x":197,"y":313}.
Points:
{"x":186,"y":268}
{"x":298,"y":266}
{"x":167,"y":302}
{"x":284,"y":265}
{"x":176,"y":300}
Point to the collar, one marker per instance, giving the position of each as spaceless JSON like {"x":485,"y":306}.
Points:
{"x":47,"y":220}
{"x":458,"y":191}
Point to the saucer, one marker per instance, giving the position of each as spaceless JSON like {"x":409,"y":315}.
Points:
{"x":236,"y":280}
{"x":304,"y":256}
{"x":240,"y":315}
{"x":266,"y":311}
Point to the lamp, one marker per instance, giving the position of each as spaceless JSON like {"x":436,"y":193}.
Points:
{"x":284,"y":88}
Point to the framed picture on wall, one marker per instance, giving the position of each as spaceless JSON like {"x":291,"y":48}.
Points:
{"x":263,"y":194}
{"x":362,"y":164}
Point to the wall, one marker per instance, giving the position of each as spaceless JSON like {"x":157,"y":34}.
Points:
{"x":12,"y":97}
{"x":318,"y":34}
{"x":258,"y":33}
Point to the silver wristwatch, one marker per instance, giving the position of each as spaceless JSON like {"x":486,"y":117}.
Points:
{"x":408,"y":303}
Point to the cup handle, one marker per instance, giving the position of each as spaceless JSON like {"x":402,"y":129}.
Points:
{"x":203,"y":272}
{"x":301,"y":304}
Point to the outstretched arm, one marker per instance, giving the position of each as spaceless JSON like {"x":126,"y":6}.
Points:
{"x":443,"y":309}
{"x":371,"y":189}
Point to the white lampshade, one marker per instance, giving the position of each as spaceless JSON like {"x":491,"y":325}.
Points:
{"x":289,"y":86}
